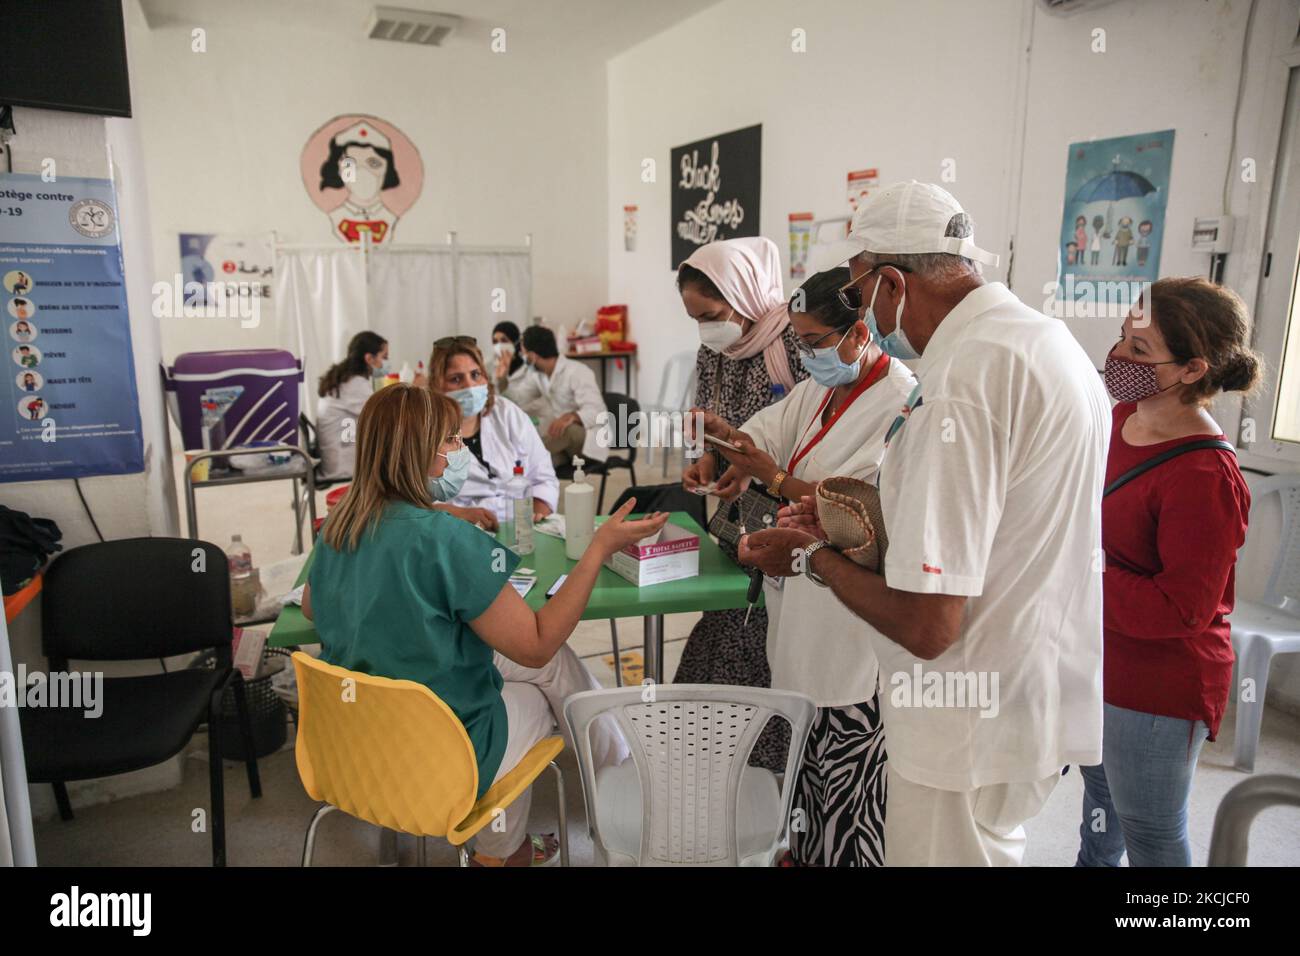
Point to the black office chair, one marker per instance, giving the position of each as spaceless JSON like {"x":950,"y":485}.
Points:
{"x":137,"y":599}
{"x":631,"y":414}
{"x":671,"y":497}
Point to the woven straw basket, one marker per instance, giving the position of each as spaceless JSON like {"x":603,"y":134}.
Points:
{"x":849,"y":511}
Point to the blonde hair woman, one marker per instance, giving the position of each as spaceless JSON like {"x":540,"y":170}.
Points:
{"x":400,"y":590}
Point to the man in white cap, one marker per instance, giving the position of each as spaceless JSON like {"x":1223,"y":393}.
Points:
{"x":989,"y":608}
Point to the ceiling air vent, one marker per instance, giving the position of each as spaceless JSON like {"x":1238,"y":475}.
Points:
{"x":410,"y":26}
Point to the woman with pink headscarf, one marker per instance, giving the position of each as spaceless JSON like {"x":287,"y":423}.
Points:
{"x":748,"y":359}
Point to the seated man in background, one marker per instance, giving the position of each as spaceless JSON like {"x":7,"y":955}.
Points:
{"x":563,"y":396}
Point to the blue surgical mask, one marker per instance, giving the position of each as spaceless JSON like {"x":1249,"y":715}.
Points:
{"x":895,"y":343}
{"x":381,"y":370}
{"x":828,"y":369}
{"x":471,"y":399}
{"x":447,"y":485}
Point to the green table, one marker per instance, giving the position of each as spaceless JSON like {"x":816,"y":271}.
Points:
{"x":719,"y":586}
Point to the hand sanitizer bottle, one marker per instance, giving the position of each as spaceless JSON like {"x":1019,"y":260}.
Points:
{"x":579,"y":513}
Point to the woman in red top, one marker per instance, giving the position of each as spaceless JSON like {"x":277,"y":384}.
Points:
{"x":1171,"y":537}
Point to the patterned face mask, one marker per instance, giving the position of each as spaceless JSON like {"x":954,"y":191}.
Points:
{"x":1129,"y":381}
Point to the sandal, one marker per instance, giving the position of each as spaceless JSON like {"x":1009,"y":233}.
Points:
{"x":545,"y":847}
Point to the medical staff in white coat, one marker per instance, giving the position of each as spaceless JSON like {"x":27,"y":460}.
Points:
{"x":833,"y":423}
{"x":565,"y":398}
{"x":343,"y":389}
{"x":496,"y":431}
{"x":509,"y":363}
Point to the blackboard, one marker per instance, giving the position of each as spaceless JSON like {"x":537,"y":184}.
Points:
{"x":715,"y":190}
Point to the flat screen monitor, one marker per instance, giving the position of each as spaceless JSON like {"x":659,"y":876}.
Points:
{"x":64,"y":55}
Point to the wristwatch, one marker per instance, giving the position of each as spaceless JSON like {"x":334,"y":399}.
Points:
{"x":775,"y":486}
{"x":808,"y":552}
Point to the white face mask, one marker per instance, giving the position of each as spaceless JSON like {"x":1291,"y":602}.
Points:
{"x":719,"y":335}
{"x":503,"y":349}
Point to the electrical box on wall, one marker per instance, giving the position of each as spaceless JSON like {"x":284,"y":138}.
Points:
{"x":1212,"y":234}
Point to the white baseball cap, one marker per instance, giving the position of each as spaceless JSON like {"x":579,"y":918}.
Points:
{"x":910,"y":218}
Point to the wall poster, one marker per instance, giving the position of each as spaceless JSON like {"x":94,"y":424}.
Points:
{"x":364,"y":174}
{"x":1114,"y":218}
{"x":715,"y":190}
{"x":69,"y":395}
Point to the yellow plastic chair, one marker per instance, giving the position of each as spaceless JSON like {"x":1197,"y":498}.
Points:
{"x":390,"y":752}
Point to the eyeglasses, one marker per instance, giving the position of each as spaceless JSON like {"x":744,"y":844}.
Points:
{"x":810,"y":348}
{"x":850,"y":294}
{"x":450,"y":340}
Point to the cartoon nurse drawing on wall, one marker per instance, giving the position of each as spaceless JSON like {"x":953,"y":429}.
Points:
{"x":364,"y":174}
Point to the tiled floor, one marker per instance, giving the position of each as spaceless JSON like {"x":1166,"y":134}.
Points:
{"x":156,"y":829}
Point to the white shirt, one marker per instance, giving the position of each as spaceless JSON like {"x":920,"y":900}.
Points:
{"x":336,"y":426}
{"x":992,"y":489}
{"x":506,"y":434}
{"x":815,"y":645}
{"x":571,"y":387}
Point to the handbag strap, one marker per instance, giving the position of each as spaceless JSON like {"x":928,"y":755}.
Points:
{"x":1163,"y":457}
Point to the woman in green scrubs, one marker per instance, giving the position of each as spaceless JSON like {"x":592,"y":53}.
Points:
{"x":400,"y":590}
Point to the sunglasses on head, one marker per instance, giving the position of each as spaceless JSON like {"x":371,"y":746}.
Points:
{"x":850,"y":294}
{"x":450,"y":340}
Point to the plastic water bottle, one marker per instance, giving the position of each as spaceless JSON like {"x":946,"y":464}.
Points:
{"x":579,"y":513}
{"x":522,"y":502}
{"x":243,"y":585}
{"x":239,"y":558}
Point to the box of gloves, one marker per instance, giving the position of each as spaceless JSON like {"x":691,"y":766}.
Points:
{"x":671,"y":554}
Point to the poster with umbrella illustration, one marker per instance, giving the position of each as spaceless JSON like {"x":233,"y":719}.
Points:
{"x":1114,"y":217}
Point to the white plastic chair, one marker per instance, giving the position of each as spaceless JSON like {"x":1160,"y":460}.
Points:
{"x":676,"y":389}
{"x":688,"y":797}
{"x":1271,"y":625}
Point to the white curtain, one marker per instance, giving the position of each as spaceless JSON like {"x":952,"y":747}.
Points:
{"x":320,"y":304}
{"x":492,"y":287}
{"x":412,"y":301}
{"x":409,"y":296}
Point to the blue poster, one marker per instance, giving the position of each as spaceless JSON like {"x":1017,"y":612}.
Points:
{"x":70,"y":408}
{"x":1114,"y":221}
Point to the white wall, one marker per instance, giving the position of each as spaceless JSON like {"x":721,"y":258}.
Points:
{"x":880,"y":85}
{"x":511,"y":143}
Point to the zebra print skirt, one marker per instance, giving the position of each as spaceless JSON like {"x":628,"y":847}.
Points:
{"x":839,"y":799}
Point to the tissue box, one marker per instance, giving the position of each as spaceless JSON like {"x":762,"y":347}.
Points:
{"x":676,"y":555}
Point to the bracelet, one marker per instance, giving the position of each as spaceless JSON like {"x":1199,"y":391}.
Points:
{"x":775,"y":486}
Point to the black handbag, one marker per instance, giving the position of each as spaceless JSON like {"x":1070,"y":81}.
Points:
{"x":753,"y":510}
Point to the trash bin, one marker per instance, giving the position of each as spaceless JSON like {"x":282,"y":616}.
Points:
{"x":266,"y":711}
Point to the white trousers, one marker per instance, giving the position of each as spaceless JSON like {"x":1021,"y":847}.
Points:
{"x":982,"y":827}
{"x":534,"y":698}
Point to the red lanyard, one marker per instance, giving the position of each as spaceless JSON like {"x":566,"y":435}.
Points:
{"x":877,"y":372}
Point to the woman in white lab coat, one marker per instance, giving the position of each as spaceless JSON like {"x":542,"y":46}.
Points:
{"x":343,"y":389}
{"x":510,"y":366}
{"x":833,"y":423}
{"x":496,"y":431}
